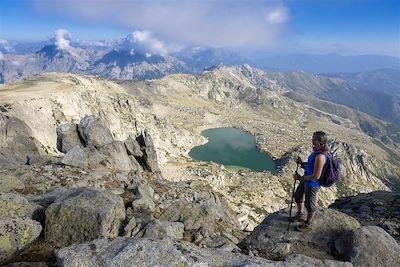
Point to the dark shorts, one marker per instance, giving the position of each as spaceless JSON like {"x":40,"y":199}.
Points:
{"x":308,"y":195}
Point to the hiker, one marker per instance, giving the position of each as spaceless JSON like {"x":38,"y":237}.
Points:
{"x":306,"y":191}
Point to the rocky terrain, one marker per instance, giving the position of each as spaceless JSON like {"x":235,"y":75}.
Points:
{"x":96,"y":173}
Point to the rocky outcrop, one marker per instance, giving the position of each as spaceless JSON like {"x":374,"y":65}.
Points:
{"x":99,"y":149}
{"x":369,"y":246}
{"x":15,"y":234}
{"x":67,"y":137}
{"x":83,"y":214}
{"x":94,"y":132}
{"x":149,"y":152}
{"x":379,"y":208}
{"x":127,"y":252}
{"x":272,"y":240}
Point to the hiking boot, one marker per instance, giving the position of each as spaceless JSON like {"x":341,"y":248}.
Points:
{"x":299,"y":217}
{"x":304,"y":227}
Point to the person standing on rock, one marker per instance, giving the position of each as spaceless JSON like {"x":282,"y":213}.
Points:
{"x":306,"y":191}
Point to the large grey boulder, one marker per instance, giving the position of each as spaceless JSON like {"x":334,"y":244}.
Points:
{"x":83,"y":214}
{"x":272,"y":240}
{"x":16,"y":206}
{"x":138,"y":252}
{"x":94,"y":132}
{"x":10,"y":183}
{"x":369,"y":246}
{"x":117,"y":156}
{"x":75,"y":157}
{"x":67,"y":137}
{"x":16,"y":141}
{"x":16,"y":234}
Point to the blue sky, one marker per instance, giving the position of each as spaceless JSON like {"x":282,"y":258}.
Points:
{"x":349,"y":27}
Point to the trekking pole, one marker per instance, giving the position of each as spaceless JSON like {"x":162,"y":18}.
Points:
{"x":291,"y":202}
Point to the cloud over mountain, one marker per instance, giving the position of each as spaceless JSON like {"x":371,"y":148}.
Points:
{"x":143,"y":42}
{"x":217,"y":23}
{"x":62,"y":39}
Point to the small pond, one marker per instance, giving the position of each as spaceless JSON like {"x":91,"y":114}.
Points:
{"x":233,"y":148}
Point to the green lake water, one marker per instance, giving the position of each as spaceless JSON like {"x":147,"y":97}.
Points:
{"x":233,"y":148}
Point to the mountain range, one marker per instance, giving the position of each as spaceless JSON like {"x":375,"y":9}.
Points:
{"x":375,"y":92}
{"x":132,"y":58}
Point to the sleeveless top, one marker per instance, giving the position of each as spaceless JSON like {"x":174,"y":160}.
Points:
{"x":310,"y":169}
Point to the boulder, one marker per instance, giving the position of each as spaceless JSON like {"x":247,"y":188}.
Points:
{"x":16,"y":141}
{"x":16,"y":234}
{"x":162,"y":229}
{"x":149,"y":151}
{"x":94,"y":132}
{"x":129,"y":252}
{"x":133,"y":147}
{"x":143,"y":198}
{"x":206,"y":216}
{"x":272,"y":240}
{"x":75,"y":157}
{"x":83,"y":214}
{"x":117,"y":156}
{"x":381,"y":208}
{"x":369,"y":246}
{"x":16,"y":206}
{"x":67,"y":137}
{"x":9,"y":183}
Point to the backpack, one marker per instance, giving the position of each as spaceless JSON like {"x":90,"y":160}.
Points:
{"x":331,"y":173}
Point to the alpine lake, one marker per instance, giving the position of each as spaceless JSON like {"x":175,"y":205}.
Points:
{"x":233,"y":148}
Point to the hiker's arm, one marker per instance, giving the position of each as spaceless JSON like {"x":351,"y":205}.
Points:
{"x":318,"y":165}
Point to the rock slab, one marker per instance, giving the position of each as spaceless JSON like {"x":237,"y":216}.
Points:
{"x":82,"y":215}
{"x":272,"y":240}
{"x":129,"y":252}
{"x":369,"y":246}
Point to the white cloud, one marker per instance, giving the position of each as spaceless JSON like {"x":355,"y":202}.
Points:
{"x":143,"y":42}
{"x":62,"y":39}
{"x":278,"y":15}
{"x":1,"y":56}
{"x":194,"y":22}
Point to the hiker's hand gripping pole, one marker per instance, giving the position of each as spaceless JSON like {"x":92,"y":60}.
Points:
{"x":291,"y":202}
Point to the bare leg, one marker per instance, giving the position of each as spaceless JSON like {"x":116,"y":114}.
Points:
{"x":310,"y":216}
{"x":300,"y":208}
